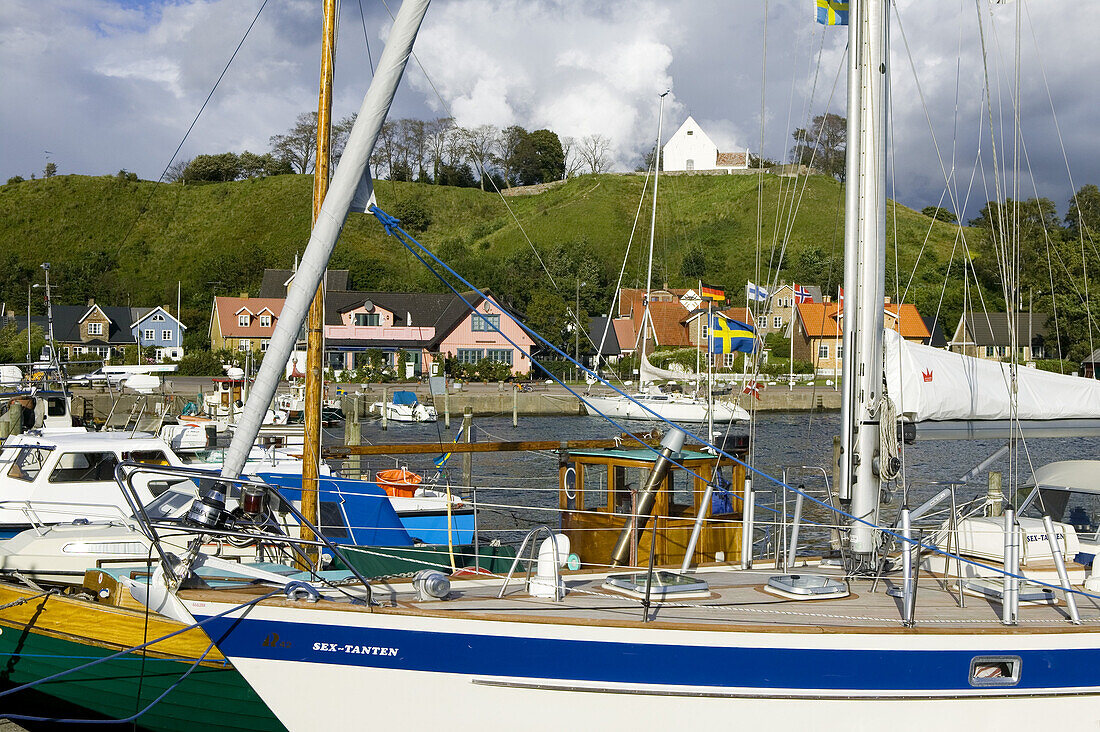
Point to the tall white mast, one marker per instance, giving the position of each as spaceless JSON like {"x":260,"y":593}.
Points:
{"x":865,"y":256}
{"x":345,"y":182}
{"x":652,"y":233}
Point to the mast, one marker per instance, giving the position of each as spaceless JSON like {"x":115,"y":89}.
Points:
{"x":652,"y":236}
{"x":350,"y":173}
{"x":864,"y":260}
{"x":315,"y":324}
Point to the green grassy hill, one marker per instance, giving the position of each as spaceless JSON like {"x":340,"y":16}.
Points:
{"x":132,"y":241}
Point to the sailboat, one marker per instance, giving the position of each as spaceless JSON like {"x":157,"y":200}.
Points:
{"x":735,"y":641}
{"x":651,"y":403}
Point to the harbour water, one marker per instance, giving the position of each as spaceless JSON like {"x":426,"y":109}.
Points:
{"x":510,"y":484}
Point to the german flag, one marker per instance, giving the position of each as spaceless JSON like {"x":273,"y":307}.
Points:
{"x":713,"y":293}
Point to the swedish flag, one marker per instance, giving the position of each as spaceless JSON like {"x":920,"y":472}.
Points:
{"x":832,"y":12}
{"x":728,"y":335}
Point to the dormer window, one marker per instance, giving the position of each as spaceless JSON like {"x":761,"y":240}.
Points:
{"x":265,"y":321}
{"x":95,"y":328}
{"x":242,"y":320}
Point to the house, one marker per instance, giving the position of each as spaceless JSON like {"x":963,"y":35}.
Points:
{"x":243,"y":323}
{"x":937,"y":339}
{"x":1089,"y":366}
{"x":779,"y":309}
{"x":429,"y":326}
{"x":690,"y":149}
{"x":819,"y":334}
{"x":989,"y":335}
{"x":605,"y":340}
{"x":668,"y":309}
{"x":107,"y":331}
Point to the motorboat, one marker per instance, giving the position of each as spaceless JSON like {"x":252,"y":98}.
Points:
{"x":405,"y":407}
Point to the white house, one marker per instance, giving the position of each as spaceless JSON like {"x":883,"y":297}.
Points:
{"x":690,"y":149}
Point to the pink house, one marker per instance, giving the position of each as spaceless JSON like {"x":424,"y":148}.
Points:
{"x":431,"y":326}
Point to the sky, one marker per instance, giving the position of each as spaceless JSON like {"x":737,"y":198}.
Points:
{"x":95,"y":86}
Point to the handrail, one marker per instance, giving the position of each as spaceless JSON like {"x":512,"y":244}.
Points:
{"x":519,"y":554}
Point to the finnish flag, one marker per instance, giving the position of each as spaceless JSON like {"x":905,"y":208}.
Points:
{"x":755,"y":292}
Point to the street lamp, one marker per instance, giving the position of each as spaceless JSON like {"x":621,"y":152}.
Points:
{"x":577,"y":332}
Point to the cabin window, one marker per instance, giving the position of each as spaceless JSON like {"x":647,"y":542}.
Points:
{"x":27,"y":463}
{"x":368,"y":319}
{"x":95,"y":328}
{"x":485,"y":322}
{"x":333,"y":525}
{"x":55,"y":407}
{"x":500,"y":355}
{"x":166,"y":335}
{"x":594,"y":486}
{"x":681,"y":492}
{"x":1079,"y":510}
{"x":83,"y":467}
{"x":628,"y":481}
{"x":146,"y":457}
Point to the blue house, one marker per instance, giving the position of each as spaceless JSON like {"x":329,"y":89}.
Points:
{"x":157,"y":328}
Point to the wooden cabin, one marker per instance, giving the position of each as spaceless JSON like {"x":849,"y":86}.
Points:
{"x":599,"y":490}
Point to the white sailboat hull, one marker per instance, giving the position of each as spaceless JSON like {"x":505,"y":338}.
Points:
{"x":672,"y":407}
{"x":622,"y":676}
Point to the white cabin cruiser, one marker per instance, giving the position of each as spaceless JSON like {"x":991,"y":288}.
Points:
{"x":405,"y":407}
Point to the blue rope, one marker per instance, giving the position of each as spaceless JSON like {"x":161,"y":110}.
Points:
{"x":391,"y":225}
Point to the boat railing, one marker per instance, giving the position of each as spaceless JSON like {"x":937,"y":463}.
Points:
{"x":125,"y":473}
{"x":530,"y":537}
{"x":33,"y":508}
{"x":790,"y":525}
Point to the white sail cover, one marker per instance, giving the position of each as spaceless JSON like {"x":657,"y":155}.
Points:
{"x":927,"y":384}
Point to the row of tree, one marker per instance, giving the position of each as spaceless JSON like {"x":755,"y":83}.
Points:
{"x":429,"y":151}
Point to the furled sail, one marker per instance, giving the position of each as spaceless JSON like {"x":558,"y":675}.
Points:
{"x":929,"y":384}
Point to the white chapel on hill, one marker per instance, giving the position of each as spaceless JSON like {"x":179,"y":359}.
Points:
{"x":690,"y":149}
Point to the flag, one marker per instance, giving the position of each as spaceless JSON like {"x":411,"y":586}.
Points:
{"x":713,"y":293}
{"x":442,"y":459}
{"x":801,"y":294}
{"x":728,"y":335}
{"x":840,"y":299}
{"x":832,"y":12}
{"x":753,"y":387}
{"x":755,"y":292}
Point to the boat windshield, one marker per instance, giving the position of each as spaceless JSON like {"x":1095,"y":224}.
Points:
{"x":169,"y":505}
{"x":1079,"y":509}
{"x":27,"y":463}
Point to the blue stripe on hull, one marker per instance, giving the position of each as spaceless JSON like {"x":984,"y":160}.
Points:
{"x":860,"y":671}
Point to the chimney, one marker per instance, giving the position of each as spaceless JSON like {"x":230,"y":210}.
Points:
{"x":244,"y":295}
{"x":91,"y":301}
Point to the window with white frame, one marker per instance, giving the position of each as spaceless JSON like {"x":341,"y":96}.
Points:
{"x":166,"y":335}
{"x":368,"y":319}
{"x":777,"y":322}
{"x":839,"y":351}
{"x":265,"y":321}
{"x":158,"y":318}
{"x":468,"y":355}
{"x":500,"y":355}
{"x":242,"y":320}
{"x":729,"y":359}
{"x":264,"y":344}
{"x":485,"y":322}
{"x":95,"y":328}
{"x":244,"y":345}
{"x":148,"y":334}
{"x":823,"y":351}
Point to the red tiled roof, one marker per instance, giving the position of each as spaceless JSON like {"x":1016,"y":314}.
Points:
{"x":666,"y":323}
{"x":625,"y":333}
{"x":736,"y":159}
{"x":820,"y":320}
{"x":228,"y":307}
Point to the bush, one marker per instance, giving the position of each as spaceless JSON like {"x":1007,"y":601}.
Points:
{"x":16,"y":179}
{"x":413,"y":215}
{"x":200,"y":363}
{"x":1064,"y":366}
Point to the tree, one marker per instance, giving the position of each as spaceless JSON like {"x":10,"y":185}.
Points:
{"x":1083,"y":214}
{"x":507,"y":147}
{"x":694,"y":264}
{"x":548,"y":315}
{"x":213,"y":168}
{"x":540,"y":158}
{"x":647,"y":160}
{"x":755,"y":161}
{"x":822,"y":145}
{"x":298,"y":146}
{"x":939,"y":214}
{"x":573,"y":162}
{"x":176,"y":172}
{"x":50,"y":171}
{"x":595,"y":152}
{"x":480,"y":143}
{"x":16,"y":179}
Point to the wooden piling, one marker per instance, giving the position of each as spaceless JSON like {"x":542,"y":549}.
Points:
{"x":467,"y":458}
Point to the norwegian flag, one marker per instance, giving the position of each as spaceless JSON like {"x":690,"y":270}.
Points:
{"x":801,"y":294}
{"x":753,"y":387}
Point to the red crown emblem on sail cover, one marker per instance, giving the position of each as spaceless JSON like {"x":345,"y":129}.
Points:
{"x":927,"y":375}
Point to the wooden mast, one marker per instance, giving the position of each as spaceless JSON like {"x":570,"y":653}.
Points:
{"x":311,"y":455}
